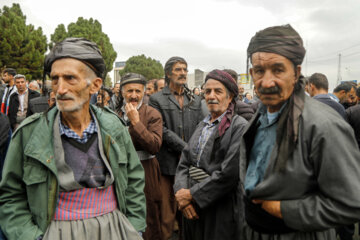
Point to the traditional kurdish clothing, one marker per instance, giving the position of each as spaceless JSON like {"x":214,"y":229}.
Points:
{"x":312,"y":163}
{"x":86,"y":190}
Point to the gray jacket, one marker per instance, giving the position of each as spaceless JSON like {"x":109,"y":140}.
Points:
{"x":320,"y":188}
{"x":179,"y":125}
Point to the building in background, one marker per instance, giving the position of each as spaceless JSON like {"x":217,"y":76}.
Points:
{"x":118,"y":66}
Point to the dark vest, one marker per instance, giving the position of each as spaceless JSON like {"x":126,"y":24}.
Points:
{"x":85,"y":161}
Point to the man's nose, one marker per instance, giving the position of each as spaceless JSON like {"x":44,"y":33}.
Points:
{"x":268,"y":80}
{"x":61,"y":87}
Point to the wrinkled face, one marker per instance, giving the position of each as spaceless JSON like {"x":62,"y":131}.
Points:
{"x":117,"y":88}
{"x":178,"y":74}
{"x":160,"y":84}
{"x":73,"y":83}
{"x":274,"y":78}
{"x":20,"y":84}
{"x":216,"y":97}
{"x":150,"y":88}
{"x":133,"y":93}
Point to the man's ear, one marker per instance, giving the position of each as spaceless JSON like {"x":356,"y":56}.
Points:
{"x":95,"y":85}
{"x":251,"y":72}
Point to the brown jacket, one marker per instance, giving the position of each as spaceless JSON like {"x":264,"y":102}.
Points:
{"x":147,"y":134}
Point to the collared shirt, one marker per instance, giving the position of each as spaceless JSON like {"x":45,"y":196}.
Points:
{"x":206,"y":132}
{"x":21,"y":99}
{"x":179,"y":97}
{"x":264,"y":142}
{"x":334,"y":97}
{"x":88,"y":132}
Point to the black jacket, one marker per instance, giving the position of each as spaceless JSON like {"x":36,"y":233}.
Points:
{"x":215,"y":197}
{"x":38,"y":105}
{"x":179,"y":125}
{"x":353,"y":117}
{"x":244,"y":110}
{"x":14,"y":106}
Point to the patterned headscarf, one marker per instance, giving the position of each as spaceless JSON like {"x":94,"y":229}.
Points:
{"x":226,"y":79}
{"x":230,"y":84}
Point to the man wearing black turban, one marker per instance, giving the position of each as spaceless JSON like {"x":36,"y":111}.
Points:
{"x":207,"y":176}
{"x":72,"y":172}
{"x":297,"y":182}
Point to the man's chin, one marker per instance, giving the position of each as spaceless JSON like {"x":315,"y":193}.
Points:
{"x":64,"y":108}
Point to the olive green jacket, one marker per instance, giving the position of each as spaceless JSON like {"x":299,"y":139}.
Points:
{"x":29,"y":188}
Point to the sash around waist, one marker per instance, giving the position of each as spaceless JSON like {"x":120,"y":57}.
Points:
{"x":263,"y":222}
{"x":85,"y":203}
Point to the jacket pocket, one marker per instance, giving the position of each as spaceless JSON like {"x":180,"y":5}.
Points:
{"x":34,"y":173}
{"x":35,"y":179}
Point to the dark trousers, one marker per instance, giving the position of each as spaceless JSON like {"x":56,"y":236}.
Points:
{"x":346,"y":232}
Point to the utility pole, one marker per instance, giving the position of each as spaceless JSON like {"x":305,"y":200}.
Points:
{"x":339,"y":79}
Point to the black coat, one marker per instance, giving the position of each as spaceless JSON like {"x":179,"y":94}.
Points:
{"x":179,"y":125}
{"x":14,"y":106}
{"x":353,"y":117}
{"x":215,"y":198}
{"x":5,"y":135}
{"x":244,"y":110}
{"x":38,"y":105}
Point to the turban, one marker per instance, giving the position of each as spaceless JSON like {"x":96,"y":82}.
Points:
{"x":169,"y":64}
{"x":226,"y":79}
{"x":230,"y":85}
{"x":285,"y":41}
{"x":132,"y":78}
{"x":282,"y":40}
{"x":80,"y":49}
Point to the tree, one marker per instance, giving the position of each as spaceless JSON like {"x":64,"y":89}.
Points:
{"x":22,"y":46}
{"x":146,"y":66}
{"x":108,"y":81}
{"x":92,"y":30}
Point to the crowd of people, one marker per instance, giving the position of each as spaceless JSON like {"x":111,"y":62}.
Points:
{"x":155,"y":160}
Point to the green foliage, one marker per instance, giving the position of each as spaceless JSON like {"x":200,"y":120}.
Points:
{"x":92,"y":30}
{"x":22,"y":47}
{"x":108,"y":81}
{"x":146,"y":66}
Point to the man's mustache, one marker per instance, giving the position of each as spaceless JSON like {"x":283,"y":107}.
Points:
{"x":133,"y":100}
{"x":272,"y":90}
{"x":64,"y":97}
{"x":182,"y":77}
{"x":213,"y":102}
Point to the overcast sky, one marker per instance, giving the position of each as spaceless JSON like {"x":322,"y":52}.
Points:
{"x":213,"y":33}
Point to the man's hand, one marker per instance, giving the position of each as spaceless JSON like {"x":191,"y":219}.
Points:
{"x":132,"y":113}
{"x":189,"y":212}
{"x":272,"y":207}
{"x":183,"y":198}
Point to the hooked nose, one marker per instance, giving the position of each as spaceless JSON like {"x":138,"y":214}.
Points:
{"x":61,"y":88}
